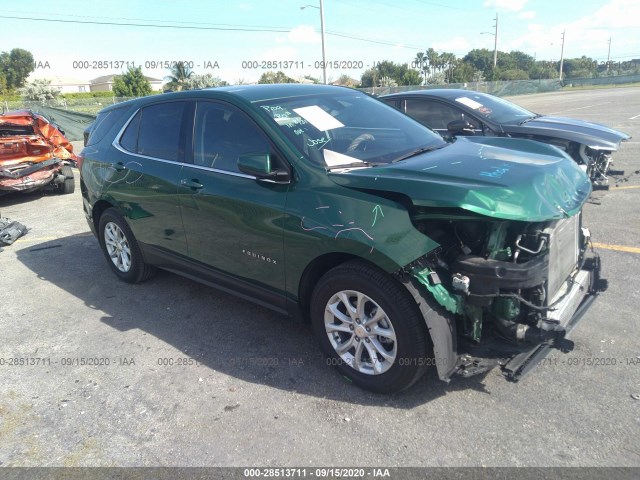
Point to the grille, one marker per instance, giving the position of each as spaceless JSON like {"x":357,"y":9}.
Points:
{"x":563,"y":252}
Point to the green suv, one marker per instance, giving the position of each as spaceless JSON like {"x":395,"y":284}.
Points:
{"x":321,"y":202}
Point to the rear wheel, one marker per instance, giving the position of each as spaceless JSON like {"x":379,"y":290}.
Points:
{"x":69,"y":184}
{"x":369,"y":327}
{"x":121,"y":249}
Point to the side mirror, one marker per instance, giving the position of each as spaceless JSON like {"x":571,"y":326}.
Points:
{"x":460,"y":127}
{"x":259,"y":165}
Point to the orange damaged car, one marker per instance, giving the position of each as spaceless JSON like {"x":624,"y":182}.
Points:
{"x":34,"y":154}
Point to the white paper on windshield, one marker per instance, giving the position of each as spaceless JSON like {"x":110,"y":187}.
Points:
{"x":332,"y":158}
{"x":318,"y":118}
{"x":469,"y":102}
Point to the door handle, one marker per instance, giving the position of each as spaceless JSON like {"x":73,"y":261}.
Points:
{"x":119,"y":166}
{"x":192,"y":184}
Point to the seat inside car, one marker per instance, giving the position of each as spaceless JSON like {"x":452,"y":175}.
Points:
{"x":239,"y":137}
{"x":212,"y":130}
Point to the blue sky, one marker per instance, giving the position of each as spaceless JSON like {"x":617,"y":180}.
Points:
{"x":384,"y":30}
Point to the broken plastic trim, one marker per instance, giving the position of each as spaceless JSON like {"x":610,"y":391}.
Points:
{"x":11,"y":231}
{"x":427,"y":277}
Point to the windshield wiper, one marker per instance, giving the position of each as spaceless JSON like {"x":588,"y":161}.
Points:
{"x":353,"y":165}
{"x":418,"y":151}
{"x":529,"y":119}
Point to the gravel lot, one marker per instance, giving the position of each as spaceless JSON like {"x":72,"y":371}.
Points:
{"x":189,"y":376}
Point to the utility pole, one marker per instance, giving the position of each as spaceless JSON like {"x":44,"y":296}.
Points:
{"x":495,"y":44}
{"x":324,"y":57}
{"x":562,"y":55}
{"x":609,"y":55}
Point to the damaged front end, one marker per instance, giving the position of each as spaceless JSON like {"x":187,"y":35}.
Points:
{"x":513,"y":268}
{"x":515,"y":288}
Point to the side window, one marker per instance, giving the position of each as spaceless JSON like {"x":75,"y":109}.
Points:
{"x":393,"y":102}
{"x":222,"y":134}
{"x":435,"y":115}
{"x":103,"y":124}
{"x":160,"y":131}
{"x":129,"y":139}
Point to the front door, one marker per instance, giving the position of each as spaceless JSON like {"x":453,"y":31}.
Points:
{"x":437,"y":115}
{"x":233,"y":222}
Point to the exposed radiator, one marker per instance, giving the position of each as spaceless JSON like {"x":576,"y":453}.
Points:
{"x":564,"y":252}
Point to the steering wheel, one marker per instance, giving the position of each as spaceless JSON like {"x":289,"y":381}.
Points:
{"x":359,"y":140}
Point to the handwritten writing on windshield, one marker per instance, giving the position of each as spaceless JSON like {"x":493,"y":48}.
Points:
{"x":284,"y":117}
{"x":318,"y":142}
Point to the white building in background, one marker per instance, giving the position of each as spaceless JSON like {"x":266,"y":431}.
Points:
{"x":98,"y":84}
{"x":65,"y":84}
{"x":105,"y":83}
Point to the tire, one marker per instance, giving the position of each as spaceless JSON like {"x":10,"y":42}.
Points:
{"x":401,"y":344}
{"x":121,"y":249}
{"x":69,"y":185}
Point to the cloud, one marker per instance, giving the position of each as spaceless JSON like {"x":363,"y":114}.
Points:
{"x":511,"y":5}
{"x":588,"y":35}
{"x":615,"y":14}
{"x":527,"y":14}
{"x":280,"y":54}
{"x":303,"y":34}
{"x":458,"y":45}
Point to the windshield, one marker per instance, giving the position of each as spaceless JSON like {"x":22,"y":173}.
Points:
{"x":350,"y":129}
{"x":494,"y":108}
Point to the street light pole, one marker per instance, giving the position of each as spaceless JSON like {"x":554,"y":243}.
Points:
{"x":324,"y":57}
{"x":495,"y":45}
{"x":495,"y":42}
{"x":609,"y":54}
{"x":562,"y":55}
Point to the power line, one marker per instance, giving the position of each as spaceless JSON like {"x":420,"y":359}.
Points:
{"x":238,"y":28}
{"x":144,"y":19}
{"x":230,"y":27}
{"x":379,"y":42}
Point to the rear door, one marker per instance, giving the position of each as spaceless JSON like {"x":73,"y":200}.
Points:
{"x":143,"y":174}
{"x":233,"y":222}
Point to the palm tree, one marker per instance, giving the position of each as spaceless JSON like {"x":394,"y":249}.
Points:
{"x":434,"y":60}
{"x":420,"y":62}
{"x":448,"y":62}
{"x":180,"y":73}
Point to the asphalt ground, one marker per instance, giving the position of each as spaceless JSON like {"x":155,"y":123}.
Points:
{"x":184,"y":375}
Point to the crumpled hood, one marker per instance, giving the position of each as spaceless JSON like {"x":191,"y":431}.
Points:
{"x":594,"y":135}
{"x":505,"y":178}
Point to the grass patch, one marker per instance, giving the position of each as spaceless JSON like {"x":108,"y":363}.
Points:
{"x":598,"y":87}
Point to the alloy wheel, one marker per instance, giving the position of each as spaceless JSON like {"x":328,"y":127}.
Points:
{"x":117,"y":247}
{"x":360,"y":332}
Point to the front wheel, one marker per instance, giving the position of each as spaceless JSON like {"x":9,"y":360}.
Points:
{"x":370,"y":328}
{"x":121,"y":249}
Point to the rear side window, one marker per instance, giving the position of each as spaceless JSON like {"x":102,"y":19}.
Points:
{"x":129,"y":140}
{"x":160,"y":131}
{"x":103,"y":123}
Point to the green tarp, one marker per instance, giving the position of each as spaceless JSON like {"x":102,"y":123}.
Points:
{"x":73,"y":123}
